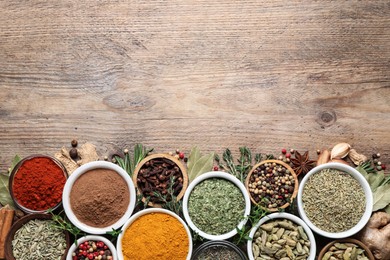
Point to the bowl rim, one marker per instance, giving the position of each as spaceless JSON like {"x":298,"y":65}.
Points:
{"x":148,"y":211}
{"x":15,"y":171}
{"x":68,"y":187}
{"x":19,"y":223}
{"x":226,"y":176}
{"x":346,"y":240}
{"x":109,"y":244}
{"x":212,"y":243}
{"x":296,"y":184}
{"x":367,"y":191}
{"x":283,"y":215}
{"x":166,"y":156}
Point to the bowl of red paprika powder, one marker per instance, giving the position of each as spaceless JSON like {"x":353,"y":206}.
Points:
{"x":36,"y":183}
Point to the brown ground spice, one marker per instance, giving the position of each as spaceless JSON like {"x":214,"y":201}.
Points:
{"x":99,"y":197}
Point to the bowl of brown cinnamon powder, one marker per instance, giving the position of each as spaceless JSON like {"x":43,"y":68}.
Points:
{"x":99,"y":197}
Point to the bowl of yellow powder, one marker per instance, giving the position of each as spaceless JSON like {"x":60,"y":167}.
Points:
{"x":154,"y":234}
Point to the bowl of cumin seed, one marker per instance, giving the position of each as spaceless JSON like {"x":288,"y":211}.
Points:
{"x":335,"y":200}
{"x":35,"y":236}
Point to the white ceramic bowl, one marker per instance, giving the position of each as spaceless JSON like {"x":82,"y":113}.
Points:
{"x":367,"y":191}
{"x":148,"y":211}
{"x":110,"y":245}
{"x":68,"y":187}
{"x":226,"y":176}
{"x":288,"y":216}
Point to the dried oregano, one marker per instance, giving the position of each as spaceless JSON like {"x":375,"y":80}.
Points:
{"x":216,"y":206}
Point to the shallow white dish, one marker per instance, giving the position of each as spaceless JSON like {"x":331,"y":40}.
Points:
{"x":68,"y":187}
{"x":367,"y":191}
{"x":148,"y":211}
{"x":288,"y":216}
{"x":110,"y":245}
{"x":223,"y":175}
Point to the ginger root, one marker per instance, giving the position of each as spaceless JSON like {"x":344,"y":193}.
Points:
{"x":376,"y":235}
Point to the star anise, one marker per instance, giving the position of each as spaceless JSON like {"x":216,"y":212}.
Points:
{"x":302,"y":164}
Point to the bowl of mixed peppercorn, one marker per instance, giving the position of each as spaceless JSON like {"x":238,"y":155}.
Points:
{"x":272,"y":184}
{"x":92,"y":247}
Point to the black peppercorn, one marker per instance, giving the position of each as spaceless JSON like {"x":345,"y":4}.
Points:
{"x":74,"y":143}
{"x":73,"y":153}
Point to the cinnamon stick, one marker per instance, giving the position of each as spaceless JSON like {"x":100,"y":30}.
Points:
{"x":6,"y":217}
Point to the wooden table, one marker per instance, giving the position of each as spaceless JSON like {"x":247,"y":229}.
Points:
{"x":267,"y":74}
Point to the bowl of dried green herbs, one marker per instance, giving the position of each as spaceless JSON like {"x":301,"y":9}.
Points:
{"x":215,"y":205}
{"x":335,"y":200}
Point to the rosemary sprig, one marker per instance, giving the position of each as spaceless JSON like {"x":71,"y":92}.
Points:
{"x":244,"y":165}
{"x":254,"y":217}
{"x":169,"y":200}
{"x":128,"y":162}
{"x":66,"y":225}
{"x":368,"y":167}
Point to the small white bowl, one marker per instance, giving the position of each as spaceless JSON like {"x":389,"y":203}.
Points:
{"x":288,"y":216}
{"x":68,"y":187}
{"x":148,"y":211}
{"x":222,"y":175}
{"x":367,"y":191}
{"x":110,"y":245}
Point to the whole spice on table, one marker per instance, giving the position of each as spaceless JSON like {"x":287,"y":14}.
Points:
{"x":6,"y":217}
{"x":155,"y":175}
{"x":155,"y":236}
{"x":216,"y":206}
{"x":301,"y":163}
{"x":99,"y":197}
{"x":92,"y":250}
{"x":341,"y":251}
{"x":333,"y":200}
{"x":271,"y":185}
{"x":38,"y":183}
{"x":38,"y":239}
{"x":281,"y":239}
{"x":218,"y":252}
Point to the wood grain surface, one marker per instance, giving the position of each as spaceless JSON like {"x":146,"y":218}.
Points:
{"x":267,"y":74}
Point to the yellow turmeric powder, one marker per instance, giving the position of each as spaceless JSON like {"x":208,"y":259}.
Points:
{"x":155,"y":236}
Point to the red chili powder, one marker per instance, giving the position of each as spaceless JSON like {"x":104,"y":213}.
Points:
{"x":38,"y":184}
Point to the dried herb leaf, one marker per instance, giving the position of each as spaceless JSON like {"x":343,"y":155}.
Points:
{"x":387,"y":209}
{"x":198,"y":164}
{"x":374,"y":179}
{"x":193,"y":157}
{"x":14,"y":162}
{"x":381,"y":197}
{"x":5,"y":197}
{"x":204,"y":164}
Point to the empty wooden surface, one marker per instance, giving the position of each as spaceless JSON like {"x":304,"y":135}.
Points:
{"x":267,"y":74}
